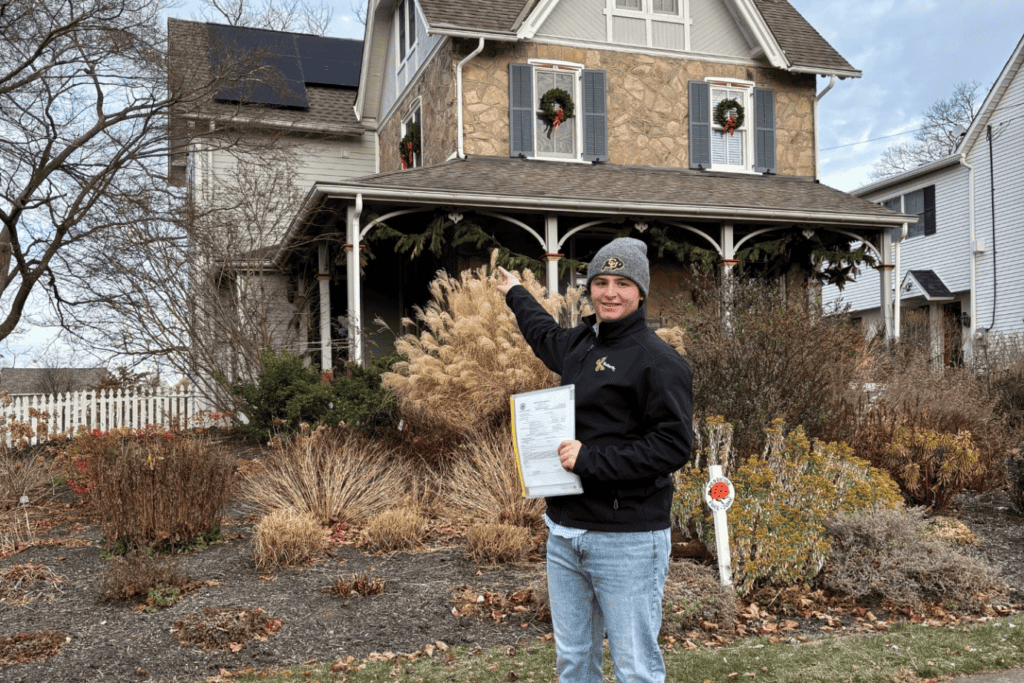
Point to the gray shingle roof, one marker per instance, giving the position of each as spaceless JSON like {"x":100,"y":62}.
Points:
{"x":931,"y":285}
{"x":696,"y":193}
{"x":330,"y":108}
{"x":495,"y":16}
{"x":24,"y":381}
{"x":804,"y":46}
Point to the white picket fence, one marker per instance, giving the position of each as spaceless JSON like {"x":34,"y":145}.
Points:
{"x":108,"y":409}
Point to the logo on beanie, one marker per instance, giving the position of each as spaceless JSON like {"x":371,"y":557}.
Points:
{"x":613,"y":264}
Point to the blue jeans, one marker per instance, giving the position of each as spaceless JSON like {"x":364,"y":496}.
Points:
{"x":608,"y":581}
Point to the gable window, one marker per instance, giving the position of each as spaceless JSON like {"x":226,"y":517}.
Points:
{"x":920,"y":203}
{"x":749,"y":144}
{"x":581,"y":137}
{"x":407,"y":58}
{"x":649,"y":23}
{"x":412,"y":134}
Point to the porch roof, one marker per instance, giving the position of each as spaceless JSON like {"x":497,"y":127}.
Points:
{"x":610,"y":189}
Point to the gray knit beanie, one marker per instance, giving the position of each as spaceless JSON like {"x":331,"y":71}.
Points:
{"x":623,"y":256}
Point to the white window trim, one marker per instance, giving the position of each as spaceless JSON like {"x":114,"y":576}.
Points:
{"x":577,"y":125}
{"x":407,"y":120}
{"x":412,"y":7}
{"x":748,"y":122}
{"x":649,"y":16}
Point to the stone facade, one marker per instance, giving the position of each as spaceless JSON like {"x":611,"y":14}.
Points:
{"x":435,"y":84}
{"x":647,"y":103}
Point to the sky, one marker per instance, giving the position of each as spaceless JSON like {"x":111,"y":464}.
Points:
{"x":911,"y":53}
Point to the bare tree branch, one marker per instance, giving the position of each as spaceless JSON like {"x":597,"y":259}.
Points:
{"x":936,"y":138}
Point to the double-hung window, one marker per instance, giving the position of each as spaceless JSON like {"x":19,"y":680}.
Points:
{"x":732,"y":126}
{"x":405,"y":40}
{"x":534,"y":133}
{"x":920,"y":203}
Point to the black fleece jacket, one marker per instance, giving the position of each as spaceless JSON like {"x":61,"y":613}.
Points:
{"x":634,"y":410}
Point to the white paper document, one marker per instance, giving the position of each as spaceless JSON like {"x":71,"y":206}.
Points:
{"x":540,"y":421}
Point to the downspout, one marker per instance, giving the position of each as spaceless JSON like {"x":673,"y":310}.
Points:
{"x":992,"y":188}
{"x":974,"y":256}
{"x":458,"y":95}
{"x":817,"y":98}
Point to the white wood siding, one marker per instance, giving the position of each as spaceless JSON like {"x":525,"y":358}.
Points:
{"x":1006,"y":298}
{"x":715,"y":30}
{"x":576,"y":20}
{"x":946,"y":252}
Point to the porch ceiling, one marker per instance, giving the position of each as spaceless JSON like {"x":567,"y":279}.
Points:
{"x":616,"y":190}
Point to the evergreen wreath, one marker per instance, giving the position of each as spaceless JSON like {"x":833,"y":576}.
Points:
{"x":409,"y":146}
{"x":722,"y":118}
{"x":557,"y":117}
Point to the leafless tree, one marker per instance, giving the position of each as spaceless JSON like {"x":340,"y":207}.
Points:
{"x":938,"y":136}
{"x":279,"y":15}
{"x":83,"y":101}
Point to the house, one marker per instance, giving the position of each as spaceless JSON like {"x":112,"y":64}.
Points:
{"x":547,"y":126}
{"x":49,"y":381}
{"x":959,"y":260}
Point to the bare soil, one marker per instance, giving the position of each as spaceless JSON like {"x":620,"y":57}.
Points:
{"x":111,"y":641}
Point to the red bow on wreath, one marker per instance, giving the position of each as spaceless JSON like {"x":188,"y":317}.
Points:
{"x":558,"y":119}
{"x":730,"y":125}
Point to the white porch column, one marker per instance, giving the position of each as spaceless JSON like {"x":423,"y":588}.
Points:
{"x":324,"y":278}
{"x":355,"y":307}
{"x":726,"y":266}
{"x":885,"y":269}
{"x":552,"y":257}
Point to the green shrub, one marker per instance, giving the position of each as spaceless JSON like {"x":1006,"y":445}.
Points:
{"x":286,"y":394}
{"x":931,"y":468}
{"x":890,"y":555}
{"x":783,"y":500}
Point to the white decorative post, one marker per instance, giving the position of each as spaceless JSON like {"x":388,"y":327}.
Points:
{"x":719,"y":494}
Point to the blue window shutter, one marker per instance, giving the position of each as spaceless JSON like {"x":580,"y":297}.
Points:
{"x":764,"y":130}
{"x":929,"y":210}
{"x":595,"y":116}
{"x":521,"y":109}
{"x":700,"y":124}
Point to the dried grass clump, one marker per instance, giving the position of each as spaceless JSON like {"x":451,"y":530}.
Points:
{"x":19,"y":475}
{"x":495,"y":543}
{"x":288,"y":538}
{"x":15,"y":530}
{"x":483,"y":482}
{"x":134,"y":576}
{"x":890,"y":555}
{"x":470,"y":356}
{"x":21,"y":584}
{"x":696,"y":599}
{"x":336,"y":474}
{"x":396,"y":529}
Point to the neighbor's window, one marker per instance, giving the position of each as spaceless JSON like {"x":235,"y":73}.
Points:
{"x":920,"y":203}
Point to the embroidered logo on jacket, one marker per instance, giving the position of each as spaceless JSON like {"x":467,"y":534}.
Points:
{"x":613,"y":264}
{"x":601,"y":365}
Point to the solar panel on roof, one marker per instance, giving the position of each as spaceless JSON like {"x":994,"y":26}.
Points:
{"x":268,"y":62}
{"x":330,"y":61}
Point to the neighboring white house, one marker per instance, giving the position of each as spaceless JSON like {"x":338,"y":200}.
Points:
{"x":962,"y":259}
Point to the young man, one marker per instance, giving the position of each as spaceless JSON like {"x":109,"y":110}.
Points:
{"x":608,"y":548}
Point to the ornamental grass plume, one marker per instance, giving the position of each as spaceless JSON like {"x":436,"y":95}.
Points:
{"x":470,"y":357}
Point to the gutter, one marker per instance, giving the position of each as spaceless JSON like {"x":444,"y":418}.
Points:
{"x":974,"y":257}
{"x":455,"y":32}
{"x":406,"y":196}
{"x":907,"y":175}
{"x":458,"y":97}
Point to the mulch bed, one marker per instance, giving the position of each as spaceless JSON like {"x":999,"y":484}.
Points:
{"x":296,"y":616}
